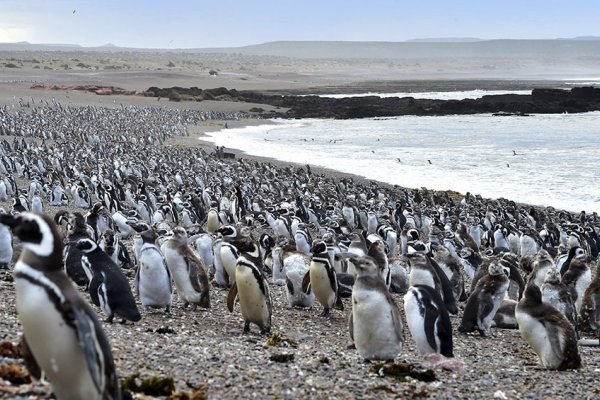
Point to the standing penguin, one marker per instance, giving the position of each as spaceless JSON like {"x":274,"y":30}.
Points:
{"x":153,"y":278}
{"x":6,"y":245}
{"x":187,"y":270}
{"x":60,"y":329}
{"x":322,"y":279}
{"x":547,"y":331}
{"x":109,"y":288}
{"x":485,"y":300}
{"x":578,"y":277}
{"x":428,"y":321}
{"x":558,"y":295}
{"x":253,"y":291}
{"x":375,"y":324}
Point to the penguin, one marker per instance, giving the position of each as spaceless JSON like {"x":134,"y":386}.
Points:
{"x":375,"y":324}
{"x":590,"y":305}
{"x":6,"y":245}
{"x":322,"y":279}
{"x":109,"y":288}
{"x":153,"y":278}
{"x":60,"y":329}
{"x":187,"y":270}
{"x":578,"y":277}
{"x":72,"y":255}
{"x":428,"y":321}
{"x":484,"y":301}
{"x":252,"y":289}
{"x":505,"y":316}
{"x":542,"y":262}
{"x":424,"y":271}
{"x":558,"y":295}
{"x":294,"y":266}
{"x":212,"y":221}
{"x":547,"y":331}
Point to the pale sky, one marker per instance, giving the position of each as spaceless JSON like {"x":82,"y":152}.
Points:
{"x":232,"y":23}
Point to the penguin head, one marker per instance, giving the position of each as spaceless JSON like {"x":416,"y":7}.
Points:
{"x":37,"y":233}
{"x":552,"y":276}
{"x":86,"y":245}
{"x":365,"y":265}
{"x":180,"y":235}
{"x":318,"y":246}
{"x":496,"y":269}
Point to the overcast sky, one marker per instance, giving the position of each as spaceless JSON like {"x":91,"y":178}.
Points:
{"x":229,"y":23}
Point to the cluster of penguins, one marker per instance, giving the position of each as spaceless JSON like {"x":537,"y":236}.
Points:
{"x":187,"y":222}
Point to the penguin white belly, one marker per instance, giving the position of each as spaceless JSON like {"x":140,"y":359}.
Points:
{"x":416,"y":323}
{"x":253,"y":302}
{"x":418,"y":276}
{"x":374,"y":333}
{"x":319,"y":282}
{"x":179,"y":272}
{"x":6,"y":249}
{"x":228,"y":261}
{"x":536,"y":335}
{"x":551,"y":296}
{"x":154,"y":285}
{"x":53,"y":343}
{"x":485,"y":322}
{"x":580,"y":286}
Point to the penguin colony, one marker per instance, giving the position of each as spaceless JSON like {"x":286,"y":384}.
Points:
{"x":191,"y":223}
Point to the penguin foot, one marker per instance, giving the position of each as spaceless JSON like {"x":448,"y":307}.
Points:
{"x":168,"y":309}
{"x":351,"y":346}
{"x":109,"y":319}
{"x":246,"y":327}
{"x":326,"y":313}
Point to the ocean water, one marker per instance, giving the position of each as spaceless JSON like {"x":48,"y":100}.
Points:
{"x":455,"y":95}
{"x":557,"y":161}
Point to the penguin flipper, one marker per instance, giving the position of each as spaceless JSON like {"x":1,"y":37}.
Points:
{"x":231,"y":296}
{"x":30,"y":361}
{"x":351,"y":326}
{"x":136,"y":282}
{"x":306,"y":282}
{"x":91,"y":340}
{"x":199,"y":280}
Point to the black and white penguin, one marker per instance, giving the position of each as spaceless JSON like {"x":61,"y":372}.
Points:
{"x":77,"y":230}
{"x":428,"y":321}
{"x":423,"y":271}
{"x":485,"y":300}
{"x":322,"y":279}
{"x":252,"y":289}
{"x":153,"y":278}
{"x":109,"y":288}
{"x":547,"y":331}
{"x":375,"y":324}
{"x":6,"y":245}
{"x":60,"y":329}
{"x":590,"y":305}
{"x":187,"y":270}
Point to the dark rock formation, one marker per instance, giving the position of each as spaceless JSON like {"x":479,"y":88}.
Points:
{"x":541,"y":101}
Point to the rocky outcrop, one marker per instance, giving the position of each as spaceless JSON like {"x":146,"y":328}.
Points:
{"x":541,"y":101}
{"x":97,"y":89}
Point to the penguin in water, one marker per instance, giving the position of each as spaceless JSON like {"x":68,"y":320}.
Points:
{"x":428,"y":321}
{"x":189,"y":275}
{"x":484,"y":301}
{"x":60,"y":329}
{"x":375,"y":324}
{"x":252,"y":289}
{"x":547,"y":331}
{"x":109,"y":288}
{"x":153,"y":278}
{"x":322,"y":280}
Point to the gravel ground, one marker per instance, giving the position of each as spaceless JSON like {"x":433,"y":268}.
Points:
{"x":206,"y":351}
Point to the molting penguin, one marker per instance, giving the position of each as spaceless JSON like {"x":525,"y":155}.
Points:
{"x":428,"y":320}
{"x":558,"y":295}
{"x":578,"y":277}
{"x":109,"y":288}
{"x":375,"y":324}
{"x":78,"y":230}
{"x":60,"y":329}
{"x":547,"y":331}
{"x":153,"y":278}
{"x":187,"y":270}
{"x":485,"y":300}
